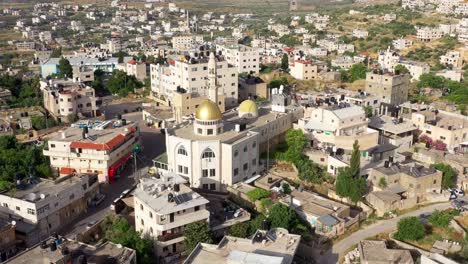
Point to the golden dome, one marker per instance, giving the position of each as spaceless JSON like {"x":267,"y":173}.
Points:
{"x":208,"y":110}
{"x":248,"y":106}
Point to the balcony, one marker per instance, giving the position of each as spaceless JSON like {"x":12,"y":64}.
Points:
{"x":170,"y":236}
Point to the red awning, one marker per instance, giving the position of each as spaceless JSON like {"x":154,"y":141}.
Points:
{"x":65,"y":170}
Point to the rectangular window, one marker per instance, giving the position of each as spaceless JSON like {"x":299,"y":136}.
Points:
{"x":205,"y":173}
{"x":31,"y":211}
{"x":210,"y":131}
{"x":246,"y":166}
{"x":236,"y":171}
{"x":212,"y":172}
{"x":179,"y":169}
{"x":212,"y":186}
{"x":185,"y":170}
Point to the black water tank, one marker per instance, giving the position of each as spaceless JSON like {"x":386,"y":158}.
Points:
{"x":387,"y":164}
{"x":119,"y":116}
{"x":53,"y":246}
{"x":176,"y":187}
{"x":124,"y":122}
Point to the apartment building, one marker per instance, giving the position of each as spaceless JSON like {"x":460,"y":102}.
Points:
{"x":426,"y":34}
{"x":394,"y":130}
{"x":62,"y":250}
{"x":252,"y":87}
{"x":304,"y":70}
{"x":47,"y":205}
{"x":450,"y":128}
{"x":137,"y":69}
{"x":164,"y":206}
{"x":96,"y":147}
{"x":115,"y":45}
{"x":186,"y":42}
{"x":25,"y":45}
{"x":416,"y":68}
{"x":244,"y":58}
{"x":462,"y":30}
{"x":65,"y":99}
{"x":274,"y":246}
{"x":413,"y":4}
{"x":190,"y":74}
{"x":453,"y":58}
{"x":339,"y":125}
{"x":402,"y":43}
{"x":413,"y":179}
{"x":388,"y":59}
{"x":391,"y":88}
{"x":83,"y":74}
{"x":359,"y":33}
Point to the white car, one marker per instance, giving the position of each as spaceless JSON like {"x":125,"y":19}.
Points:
{"x":459,"y":192}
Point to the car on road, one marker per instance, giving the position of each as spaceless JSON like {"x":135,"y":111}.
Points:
{"x":117,"y":205}
{"x":125,"y":193}
{"x":460,"y":205}
{"x":459,"y":192}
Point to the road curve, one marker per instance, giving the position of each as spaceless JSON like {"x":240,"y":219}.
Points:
{"x":332,"y":255}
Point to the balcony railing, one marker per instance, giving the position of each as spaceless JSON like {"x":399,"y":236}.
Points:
{"x":169,"y":236}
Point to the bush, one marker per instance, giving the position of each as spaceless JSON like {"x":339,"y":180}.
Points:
{"x":440,"y":219}
{"x":410,"y":228}
{"x":257,"y":194}
{"x":286,"y":188}
{"x":449,"y":174}
{"x":239,"y":230}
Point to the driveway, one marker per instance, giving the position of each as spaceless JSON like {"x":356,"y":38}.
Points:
{"x":338,"y":249}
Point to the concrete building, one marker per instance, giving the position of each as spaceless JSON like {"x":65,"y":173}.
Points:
{"x":96,"y":147}
{"x":186,"y":42}
{"x":59,"y":251}
{"x":276,"y":246}
{"x":200,"y":148}
{"x":376,"y":252}
{"x":413,"y":179}
{"x":416,"y":68}
{"x":359,"y":33}
{"x":391,"y":88}
{"x":394,"y":130}
{"x":7,"y":240}
{"x":244,"y":58}
{"x":339,"y":127}
{"x":388,"y":59}
{"x":304,"y":70}
{"x":252,"y":87}
{"x":190,"y":74}
{"x":426,"y":34}
{"x":137,"y":69}
{"x":164,"y":206}
{"x":65,"y":99}
{"x":449,"y":128}
{"x":402,"y":43}
{"x":453,"y":75}
{"x":83,"y":74}
{"x":47,"y":205}
{"x":453,"y":58}
{"x":50,"y":66}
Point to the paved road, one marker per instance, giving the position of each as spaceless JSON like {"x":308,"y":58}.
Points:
{"x":153,"y":144}
{"x":332,"y":256}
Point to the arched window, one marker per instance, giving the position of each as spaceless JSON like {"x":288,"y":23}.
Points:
{"x":182,"y":151}
{"x":208,"y":154}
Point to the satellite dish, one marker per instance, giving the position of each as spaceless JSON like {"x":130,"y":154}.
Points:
{"x":42,"y":196}
{"x":119,"y":246}
{"x":13,"y":223}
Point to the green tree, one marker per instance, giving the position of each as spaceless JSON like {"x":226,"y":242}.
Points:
{"x":280,"y":215}
{"x":119,"y":231}
{"x":357,"y":72}
{"x":276,"y":83}
{"x":368,"y":110}
{"x":383,"y":183}
{"x":285,"y":62}
{"x":401,"y":69}
{"x":65,"y":70}
{"x":286,"y":188}
{"x":239,"y":230}
{"x":39,"y":122}
{"x":410,"y":228}
{"x":122,"y":84}
{"x":449,"y":175}
{"x":431,"y":80}
{"x":120,"y":56}
{"x":56,"y":53}
{"x":195,"y":233}
{"x":440,"y":218}
{"x":256,"y":223}
{"x":349,"y":183}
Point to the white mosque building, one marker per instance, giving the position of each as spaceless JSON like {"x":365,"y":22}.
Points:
{"x":213,"y":150}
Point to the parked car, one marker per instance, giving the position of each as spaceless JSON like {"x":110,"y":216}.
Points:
{"x":460,"y":205}
{"x":125,"y":193}
{"x":97,"y":200}
{"x":459,"y":192}
{"x":117,"y":205}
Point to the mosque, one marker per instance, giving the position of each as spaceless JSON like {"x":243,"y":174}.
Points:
{"x":213,"y":150}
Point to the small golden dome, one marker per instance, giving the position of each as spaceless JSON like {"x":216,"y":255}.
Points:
{"x":208,"y":110}
{"x":248,"y":106}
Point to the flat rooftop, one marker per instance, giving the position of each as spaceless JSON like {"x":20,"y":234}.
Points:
{"x":230,"y":119}
{"x":315,"y":204}
{"x":276,"y":246}
{"x":157,"y":193}
{"x":389,"y":124}
{"x":377,"y":252}
{"x":104,"y":253}
{"x":415,"y":170}
{"x":36,"y":189}
{"x":447,"y":120}
{"x":102,"y":135}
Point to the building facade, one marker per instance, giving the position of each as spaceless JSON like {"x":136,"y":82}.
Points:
{"x":391,"y":88}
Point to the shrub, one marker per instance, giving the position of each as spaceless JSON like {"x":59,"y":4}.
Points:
{"x":410,"y":228}
{"x":257,"y":194}
{"x":440,"y":219}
